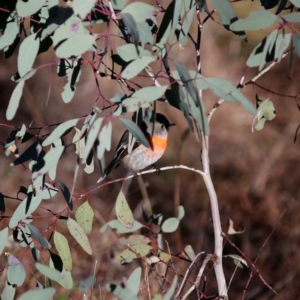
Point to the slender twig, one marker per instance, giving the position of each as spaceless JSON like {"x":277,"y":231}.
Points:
{"x":259,"y":251}
{"x":186,"y":275}
{"x":252,"y":265}
{"x":199,"y":275}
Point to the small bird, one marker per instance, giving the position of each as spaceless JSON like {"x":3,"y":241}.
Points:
{"x":141,"y":157}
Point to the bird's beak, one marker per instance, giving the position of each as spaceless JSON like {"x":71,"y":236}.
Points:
{"x":172,"y":124}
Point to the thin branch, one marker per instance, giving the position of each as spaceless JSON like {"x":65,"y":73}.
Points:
{"x":252,"y":265}
{"x":259,"y":251}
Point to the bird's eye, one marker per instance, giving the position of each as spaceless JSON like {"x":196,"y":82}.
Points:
{"x":162,"y":125}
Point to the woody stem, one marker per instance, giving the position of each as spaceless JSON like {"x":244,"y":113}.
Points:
{"x":218,"y":266}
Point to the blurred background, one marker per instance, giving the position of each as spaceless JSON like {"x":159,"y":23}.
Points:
{"x":255,"y":174}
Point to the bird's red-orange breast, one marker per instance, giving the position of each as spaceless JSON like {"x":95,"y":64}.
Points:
{"x":159,"y":143}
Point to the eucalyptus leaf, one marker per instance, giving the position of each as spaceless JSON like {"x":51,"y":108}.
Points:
{"x":16,"y":272}
{"x":79,"y":235}
{"x":169,"y":294}
{"x":82,"y":8}
{"x":133,"y":282}
{"x":136,"y":66}
{"x":150,"y":93}
{"x":45,"y":294}
{"x":181,"y":212}
{"x":63,"y":249}
{"x":66,"y":193}
{"x":10,"y":34}
{"x":8,"y":292}
{"x":59,"y":131}
{"x":27,"y":53}
{"x":3,"y":238}
{"x":37,"y":235}
{"x":84,"y":216}
{"x":86,"y":284}
{"x":29,"y":7}
{"x":257,"y":20}
{"x":93,"y":132}
{"x":128,"y":52}
{"x":129,"y":254}
{"x":115,"y":224}
{"x":75,"y":45}
{"x":123,"y":211}
{"x":121,"y":292}
{"x":226,"y":90}
{"x":53,"y":274}
{"x":139,"y":10}
{"x":14,"y":100}
{"x":136,"y":132}
{"x":170,"y":225}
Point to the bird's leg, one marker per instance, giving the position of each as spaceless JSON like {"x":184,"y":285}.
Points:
{"x":157,"y":169}
{"x":135,"y":176}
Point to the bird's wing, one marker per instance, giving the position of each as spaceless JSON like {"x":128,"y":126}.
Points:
{"x":121,"y":152}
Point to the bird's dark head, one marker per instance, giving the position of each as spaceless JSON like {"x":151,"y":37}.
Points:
{"x":163,"y":121}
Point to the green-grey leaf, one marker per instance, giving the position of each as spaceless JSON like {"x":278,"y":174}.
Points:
{"x":145,"y":34}
{"x":136,"y":66}
{"x":93,"y":132}
{"x":75,"y":45}
{"x":189,"y":86}
{"x":175,"y":20}
{"x":296,"y":2}
{"x":9,"y":292}
{"x":51,"y":159}
{"x":135,"y":131}
{"x":37,"y":235}
{"x":69,"y":90}
{"x":134,"y":239}
{"x":84,"y":216}
{"x":296,"y":41}
{"x":3,"y":238}
{"x":170,"y":225}
{"x":27,"y":53}
{"x":28,"y":8}
{"x":72,"y":26}
{"x":138,"y":249}
{"x":121,"y":292}
{"x":19,"y":213}
{"x":104,"y":140}
{"x":123,"y":211}
{"x":227,"y":91}
{"x":82,"y":8}
{"x":180,"y":212}
{"x":186,"y":25}
{"x":115,"y":224}
{"x":238,"y":260}
{"x":292,"y":17}
{"x":45,"y":294}
{"x":14,"y":100}
{"x":86,"y":284}
{"x":257,"y":20}
{"x":140,"y":11}
{"x":53,"y":274}
{"x":9,"y":35}
{"x":150,"y":93}
{"x":79,"y":235}
{"x":169,"y":294}
{"x":128,"y":52}
{"x":63,"y":249}
{"x":133,"y":282}
{"x":16,"y":273}
{"x":59,"y":131}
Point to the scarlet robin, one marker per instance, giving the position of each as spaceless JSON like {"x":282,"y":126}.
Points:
{"x":141,"y":157}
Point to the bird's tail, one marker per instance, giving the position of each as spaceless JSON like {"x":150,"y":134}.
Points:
{"x":113,"y":164}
